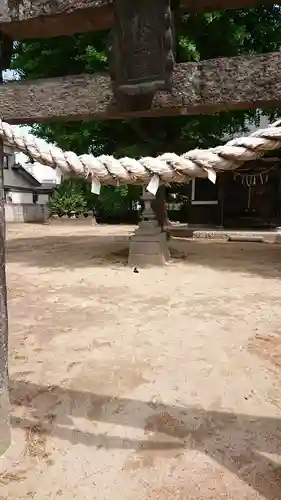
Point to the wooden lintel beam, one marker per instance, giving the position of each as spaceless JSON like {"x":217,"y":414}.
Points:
{"x":23,"y":19}
{"x":204,"y":87}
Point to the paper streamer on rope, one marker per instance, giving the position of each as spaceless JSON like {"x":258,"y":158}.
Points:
{"x":153,"y":185}
{"x":212,"y":175}
{"x":58,"y":173}
{"x":96,"y":186}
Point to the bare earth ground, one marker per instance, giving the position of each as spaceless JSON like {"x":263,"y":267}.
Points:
{"x":153,"y":386}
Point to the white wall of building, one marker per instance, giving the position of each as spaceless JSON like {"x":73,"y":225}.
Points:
{"x":19,"y":197}
{"x":23,"y":197}
{"x":26,"y":213}
{"x":43,"y":199}
{"x":20,"y":204}
{"x":13,"y":179}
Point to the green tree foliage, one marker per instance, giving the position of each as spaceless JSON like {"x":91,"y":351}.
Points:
{"x":74,"y":196}
{"x":200,"y":36}
{"x":67,"y":199}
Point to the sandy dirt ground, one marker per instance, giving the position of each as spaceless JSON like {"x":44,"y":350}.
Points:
{"x":161,"y":385}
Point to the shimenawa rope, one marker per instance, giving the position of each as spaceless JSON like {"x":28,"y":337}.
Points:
{"x":166,"y":168}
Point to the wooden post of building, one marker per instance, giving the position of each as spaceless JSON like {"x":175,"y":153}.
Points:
{"x":279,"y":204}
{"x":222,"y":182}
{"x":189,"y":202}
{"x":4,"y":379}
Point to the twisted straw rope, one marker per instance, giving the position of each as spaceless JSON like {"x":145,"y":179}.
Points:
{"x":169,"y":167}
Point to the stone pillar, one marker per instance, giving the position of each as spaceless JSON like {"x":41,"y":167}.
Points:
{"x":148,"y":246}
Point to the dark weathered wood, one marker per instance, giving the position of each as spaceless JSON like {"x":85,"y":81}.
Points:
{"x":5,"y":428}
{"x":23,"y":19}
{"x":141,"y":56}
{"x":4,"y":378}
{"x":205,"y":87}
{"x":46,"y":18}
{"x":4,"y":391}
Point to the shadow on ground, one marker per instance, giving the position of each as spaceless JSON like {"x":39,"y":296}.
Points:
{"x":98,"y":250}
{"x":235,"y":441}
{"x":69,"y":251}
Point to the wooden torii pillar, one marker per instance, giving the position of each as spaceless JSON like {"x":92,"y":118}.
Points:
{"x":143,"y":80}
{"x":5,"y":57}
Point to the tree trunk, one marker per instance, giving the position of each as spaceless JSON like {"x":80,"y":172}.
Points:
{"x":159,"y":207}
{"x":4,"y":392}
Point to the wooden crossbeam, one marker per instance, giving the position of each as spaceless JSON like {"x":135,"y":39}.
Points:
{"x":204,"y":87}
{"x":32,"y":19}
{"x":22,"y":19}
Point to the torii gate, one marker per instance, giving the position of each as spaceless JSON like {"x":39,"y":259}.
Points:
{"x":144,"y":80}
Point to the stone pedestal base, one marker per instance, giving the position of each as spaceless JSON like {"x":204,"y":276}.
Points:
{"x":148,"y":246}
